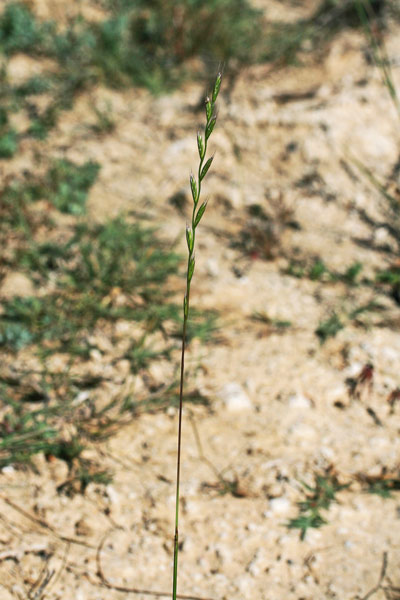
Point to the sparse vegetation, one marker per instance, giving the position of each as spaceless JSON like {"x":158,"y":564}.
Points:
{"x":92,"y":342}
{"x":317,"y":498}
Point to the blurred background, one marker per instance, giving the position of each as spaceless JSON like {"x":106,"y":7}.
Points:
{"x":297,"y":283}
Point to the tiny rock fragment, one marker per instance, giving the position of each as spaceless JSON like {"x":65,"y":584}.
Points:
{"x":235,"y":398}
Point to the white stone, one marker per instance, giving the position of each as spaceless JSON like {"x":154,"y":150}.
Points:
{"x":112,"y":495}
{"x":327,"y":452}
{"x":303,"y":431}
{"x":96,"y":355}
{"x":8,"y":469}
{"x":235,"y":398}
{"x":337,"y":392}
{"x":81,"y":397}
{"x":279,"y":505}
{"x":354,"y":369}
{"x":391,"y":354}
{"x":299,"y":401}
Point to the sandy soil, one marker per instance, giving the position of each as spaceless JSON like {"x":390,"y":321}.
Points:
{"x":280,"y":406}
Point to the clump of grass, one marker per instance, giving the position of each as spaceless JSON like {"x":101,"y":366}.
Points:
{"x":27,"y":430}
{"x":197,"y":214}
{"x":20,"y":31}
{"x":68,"y":185}
{"x":8,"y":143}
{"x":317,"y":270}
{"x":367,"y":11}
{"x":317,"y":498}
{"x":113,"y":256}
{"x":384,"y":484}
{"x":91,"y":270}
{"x":8,"y":136}
{"x":273,"y":325}
{"x":141,"y":43}
{"x":329,"y":328}
{"x":151,"y":44}
{"x":335,"y":323}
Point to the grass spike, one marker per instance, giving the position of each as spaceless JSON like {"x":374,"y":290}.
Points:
{"x":190,"y":239}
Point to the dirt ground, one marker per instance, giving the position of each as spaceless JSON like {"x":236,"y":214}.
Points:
{"x":280,"y":408}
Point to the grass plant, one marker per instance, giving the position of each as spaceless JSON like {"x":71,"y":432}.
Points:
{"x":197,"y":214}
{"x":318,"y":497}
{"x":367,"y":13}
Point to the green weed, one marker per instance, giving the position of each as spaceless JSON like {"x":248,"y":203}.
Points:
{"x":20,"y":31}
{"x":383,"y":484}
{"x":334,"y":324}
{"x":94,"y":266}
{"x":390,"y":276}
{"x":385,"y":487}
{"x":317,"y":498}
{"x":105,"y":122}
{"x":317,"y":270}
{"x":329,"y":328}
{"x":8,"y":143}
{"x":68,"y":185}
{"x":151,"y":45}
{"x":273,"y":324}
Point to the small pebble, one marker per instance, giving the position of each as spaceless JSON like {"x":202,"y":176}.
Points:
{"x":299,"y":401}
{"x":113,"y":496}
{"x":235,"y":398}
{"x":279,"y":505}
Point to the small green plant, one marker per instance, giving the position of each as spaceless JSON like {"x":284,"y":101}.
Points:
{"x":329,"y":328}
{"x":318,"y":497}
{"x":390,"y":276}
{"x":275,"y":325}
{"x":20,"y":31}
{"x":197,"y":214}
{"x":105,"y":123}
{"x":388,"y":191}
{"x":65,"y":185}
{"x":367,"y":13}
{"x":8,"y":143}
{"x":69,"y":184}
{"x":318,"y":271}
{"x":91,"y":270}
{"x":383,"y":484}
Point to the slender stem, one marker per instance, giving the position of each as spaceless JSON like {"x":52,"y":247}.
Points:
{"x":178,"y":462}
